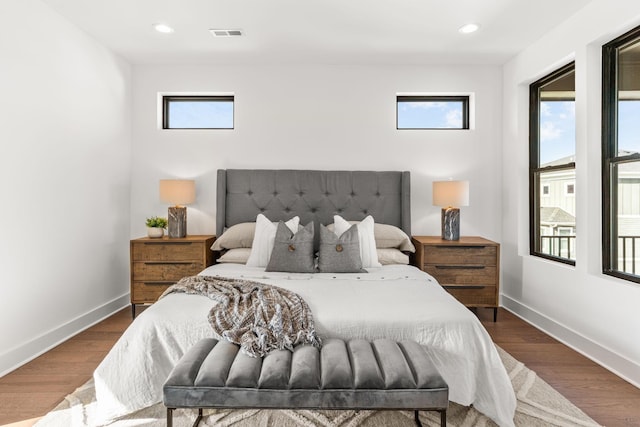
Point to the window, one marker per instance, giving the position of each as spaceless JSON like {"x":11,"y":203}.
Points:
{"x":197,"y":112}
{"x":432,"y":112}
{"x":552,"y":174}
{"x":621,"y":156}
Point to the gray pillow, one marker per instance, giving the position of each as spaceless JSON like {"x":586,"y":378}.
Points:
{"x":340,"y":254}
{"x":292,"y":253}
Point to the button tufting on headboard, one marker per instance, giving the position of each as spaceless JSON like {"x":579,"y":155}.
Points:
{"x":313,"y":196}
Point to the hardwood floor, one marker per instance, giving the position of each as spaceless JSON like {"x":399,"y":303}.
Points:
{"x":604,"y":396}
{"x":37,"y":387}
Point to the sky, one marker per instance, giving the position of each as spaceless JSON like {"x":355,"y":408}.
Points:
{"x":558,"y":128}
{"x":211,"y":115}
{"x":430,"y":115}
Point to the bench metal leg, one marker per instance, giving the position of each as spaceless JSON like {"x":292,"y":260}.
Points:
{"x":169,"y":417}
{"x":443,"y":418}
{"x":197,"y":421}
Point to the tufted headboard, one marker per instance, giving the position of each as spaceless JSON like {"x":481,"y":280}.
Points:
{"x":313,"y":195}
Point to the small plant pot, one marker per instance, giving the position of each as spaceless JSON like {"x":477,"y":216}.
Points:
{"x":155,"y":232}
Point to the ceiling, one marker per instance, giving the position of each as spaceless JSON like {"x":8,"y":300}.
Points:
{"x":317,"y":31}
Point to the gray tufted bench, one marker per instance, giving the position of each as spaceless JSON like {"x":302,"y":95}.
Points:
{"x":342,"y":375}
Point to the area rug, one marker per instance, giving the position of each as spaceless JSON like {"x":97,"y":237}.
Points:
{"x":538,"y":405}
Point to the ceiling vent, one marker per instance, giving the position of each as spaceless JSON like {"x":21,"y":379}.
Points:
{"x":225,"y":33}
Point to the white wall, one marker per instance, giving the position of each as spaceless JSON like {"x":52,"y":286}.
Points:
{"x":65,"y":136}
{"x":596,"y":314}
{"x":322,"y":117}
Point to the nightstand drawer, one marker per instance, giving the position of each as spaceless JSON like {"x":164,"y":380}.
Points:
{"x":145,"y":292}
{"x":474,"y":295}
{"x":159,"y":271}
{"x":463,"y":274}
{"x":461,"y":254}
{"x":162,"y":251}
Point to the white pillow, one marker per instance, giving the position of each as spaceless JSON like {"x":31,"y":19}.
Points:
{"x":368,"y":251}
{"x":388,"y":256}
{"x":264,"y":238}
{"x":236,"y":236}
{"x":235,"y":256}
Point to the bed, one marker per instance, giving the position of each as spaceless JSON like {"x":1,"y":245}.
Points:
{"x":394,"y":301}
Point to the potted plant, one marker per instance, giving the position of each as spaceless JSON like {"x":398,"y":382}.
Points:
{"x":156,"y":226}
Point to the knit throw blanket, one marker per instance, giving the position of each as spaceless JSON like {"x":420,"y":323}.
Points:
{"x":258,"y":317}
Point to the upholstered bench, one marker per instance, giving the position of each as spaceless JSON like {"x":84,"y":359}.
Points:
{"x":357,"y":374}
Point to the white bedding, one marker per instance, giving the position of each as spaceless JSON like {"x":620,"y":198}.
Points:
{"x":398,"y":302}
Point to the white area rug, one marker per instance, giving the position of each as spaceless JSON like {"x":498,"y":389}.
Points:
{"x":538,"y":405}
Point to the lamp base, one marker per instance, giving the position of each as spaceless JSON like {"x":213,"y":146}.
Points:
{"x":177,"y":221}
{"x":450,"y":223}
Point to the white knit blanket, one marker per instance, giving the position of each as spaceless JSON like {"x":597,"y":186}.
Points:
{"x":258,"y":317}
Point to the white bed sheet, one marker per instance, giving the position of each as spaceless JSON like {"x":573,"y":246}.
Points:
{"x":397,"y":302}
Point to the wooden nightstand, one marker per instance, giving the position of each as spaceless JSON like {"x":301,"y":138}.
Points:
{"x":469,"y":268}
{"x":158,"y":263}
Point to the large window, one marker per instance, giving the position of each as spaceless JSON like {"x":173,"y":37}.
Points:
{"x":621,"y":156}
{"x":197,"y":112}
{"x":432,"y":112}
{"x":552,"y":171}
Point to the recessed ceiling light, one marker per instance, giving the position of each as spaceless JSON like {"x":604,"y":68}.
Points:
{"x":469,"y":28}
{"x":162,"y":28}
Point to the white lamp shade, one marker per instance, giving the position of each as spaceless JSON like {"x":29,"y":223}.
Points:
{"x":451,"y":193}
{"x":178,"y":191}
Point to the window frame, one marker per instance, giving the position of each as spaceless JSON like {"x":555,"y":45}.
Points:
{"x":610,"y":154}
{"x":535,"y":190}
{"x":466,"y":106}
{"x":168,"y":98}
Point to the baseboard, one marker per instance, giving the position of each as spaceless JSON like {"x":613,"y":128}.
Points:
{"x":607,"y":358}
{"x":18,"y":356}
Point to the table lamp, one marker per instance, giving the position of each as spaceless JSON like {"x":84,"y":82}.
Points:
{"x":450,"y":195}
{"x":177,"y":192}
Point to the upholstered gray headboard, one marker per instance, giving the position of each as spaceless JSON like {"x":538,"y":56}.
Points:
{"x":313,"y":195}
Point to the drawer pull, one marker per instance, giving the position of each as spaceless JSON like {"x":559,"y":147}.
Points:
{"x":158,"y":283}
{"x":463,"y":286}
{"x":460,"y":247}
{"x":168,"y":262}
{"x":168,"y":243}
{"x":460,"y":267}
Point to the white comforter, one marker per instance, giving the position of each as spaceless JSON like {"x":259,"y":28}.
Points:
{"x":398,"y":302}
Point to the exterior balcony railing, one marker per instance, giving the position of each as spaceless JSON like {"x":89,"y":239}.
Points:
{"x":559,"y":246}
{"x":628,"y":250}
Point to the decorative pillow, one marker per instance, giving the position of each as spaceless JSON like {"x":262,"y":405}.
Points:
{"x":292,"y":253}
{"x":236,"y":236}
{"x":264,"y":238}
{"x":387,"y":256}
{"x":235,"y":256}
{"x":390,"y":236}
{"x":339,"y":254}
{"x":367,"y":239}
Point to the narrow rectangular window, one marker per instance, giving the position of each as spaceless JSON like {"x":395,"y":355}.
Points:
{"x":432,"y":112}
{"x":552,"y":173}
{"x":621,"y":157}
{"x":197,"y":112}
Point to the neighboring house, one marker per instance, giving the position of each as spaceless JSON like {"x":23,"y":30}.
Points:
{"x":558,"y":207}
{"x":557,"y":210}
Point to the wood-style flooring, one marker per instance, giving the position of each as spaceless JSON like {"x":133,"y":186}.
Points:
{"x":37,"y":387}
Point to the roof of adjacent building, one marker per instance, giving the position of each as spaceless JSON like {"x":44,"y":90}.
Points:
{"x":556,"y":215}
